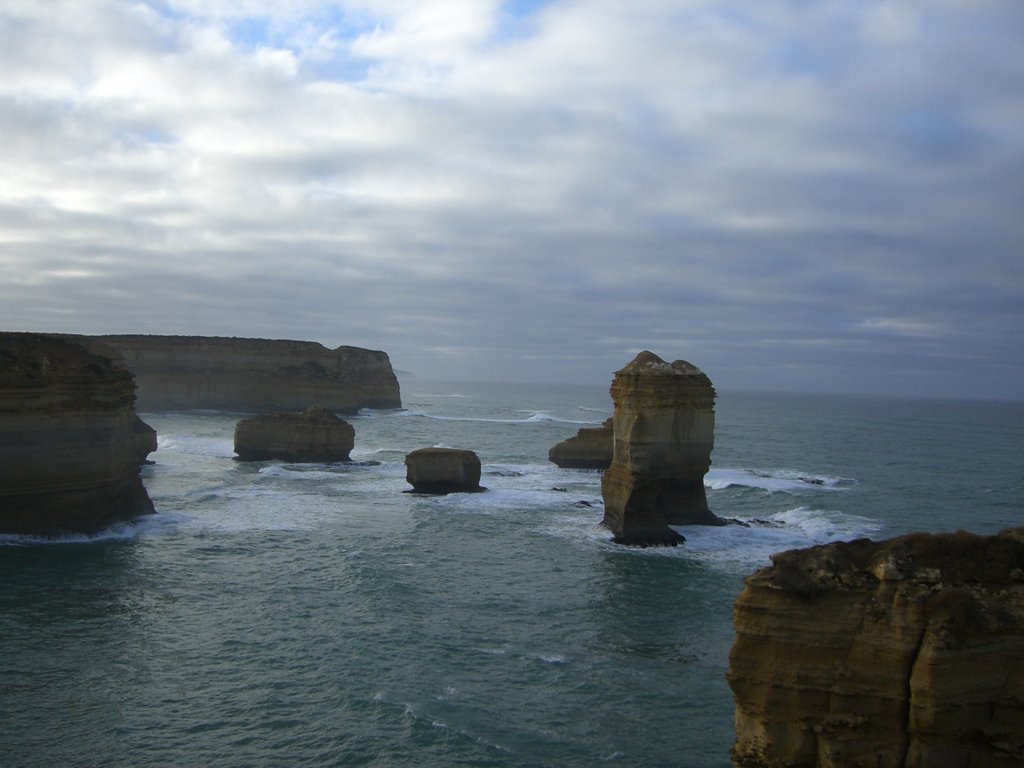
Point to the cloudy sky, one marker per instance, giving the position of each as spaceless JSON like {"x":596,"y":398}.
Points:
{"x":791,"y":194}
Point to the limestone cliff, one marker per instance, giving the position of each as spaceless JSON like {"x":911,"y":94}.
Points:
{"x":255,"y":375}
{"x":664,"y":432}
{"x":316,"y":434}
{"x":70,"y":442}
{"x":907,"y":652}
{"x":590,"y":448}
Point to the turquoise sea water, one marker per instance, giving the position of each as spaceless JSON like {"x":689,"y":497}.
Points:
{"x":317,"y":615}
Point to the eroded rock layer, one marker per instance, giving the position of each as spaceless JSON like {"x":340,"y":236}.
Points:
{"x":907,"y":652}
{"x":590,"y":448}
{"x":70,"y":442}
{"x":664,"y":432}
{"x":312,"y":435}
{"x":255,"y":375}
{"x":443,"y":470}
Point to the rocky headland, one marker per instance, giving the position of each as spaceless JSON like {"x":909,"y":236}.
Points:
{"x":906,"y":652}
{"x":664,"y":432}
{"x":70,"y":441}
{"x":315,"y":434}
{"x":254,"y":375}
{"x":589,"y":448}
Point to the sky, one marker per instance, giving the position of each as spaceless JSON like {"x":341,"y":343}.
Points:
{"x":791,"y":195}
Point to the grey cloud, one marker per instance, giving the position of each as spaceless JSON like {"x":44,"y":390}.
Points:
{"x":790,"y":197}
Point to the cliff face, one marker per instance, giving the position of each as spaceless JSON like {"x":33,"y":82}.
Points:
{"x":664,"y":432}
{"x":70,"y":442}
{"x":907,"y":652}
{"x":590,"y":448}
{"x":255,"y":375}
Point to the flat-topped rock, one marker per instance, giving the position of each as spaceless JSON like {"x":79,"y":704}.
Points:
{"x":315,"y":434}
{"x":906,"y":652}
{"x":254,"y":375}
{"x":590,"y":448}
{"x":664,"y":432}
{"x":443,"y":470}
{"x":70,"y":441}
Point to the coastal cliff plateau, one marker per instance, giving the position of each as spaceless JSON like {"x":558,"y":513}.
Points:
{"x":254,"y":375}
{"x":664,"y":432}
{"x":906,"y":652}
{"x":70,"y":441}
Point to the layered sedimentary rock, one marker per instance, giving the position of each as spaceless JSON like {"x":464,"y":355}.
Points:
{"x":70,"y":441}
{"x":443,"y":470}
{"x":255,"y":375}
{"x":664,"y":432}
{"x":906,"y":652}
{"x":590,"y":448}
{"x":315,"y":434}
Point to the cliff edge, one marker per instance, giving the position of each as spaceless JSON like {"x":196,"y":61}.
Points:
{"x":70,"y":442}
{"x":254,"y":375}
{"x":906,"y":652}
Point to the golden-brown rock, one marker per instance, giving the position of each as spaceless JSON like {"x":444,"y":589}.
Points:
{"x":664,"y":428}
{"x":443,"y":470}
{"x":315,"y":434}
{"x":590,"y":448}
{"x":907,"y":652}
{"x":255,"y":375}
{"x":70,"y":442}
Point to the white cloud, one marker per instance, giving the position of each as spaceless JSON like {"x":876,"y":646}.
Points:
{"x":726,"y":177}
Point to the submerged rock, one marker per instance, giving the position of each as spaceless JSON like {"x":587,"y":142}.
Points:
{"x":443,"y":470}
{"x":664,"y":432}
{"x":70,"y":441}
{"x":590,"y":448}
{"x":312,"y":435}
{"x":895,"y":653}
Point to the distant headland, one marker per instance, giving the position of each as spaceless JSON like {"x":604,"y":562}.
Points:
{"x":254,"y":375}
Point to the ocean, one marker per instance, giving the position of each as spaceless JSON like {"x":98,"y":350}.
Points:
{"x":280,"y":614}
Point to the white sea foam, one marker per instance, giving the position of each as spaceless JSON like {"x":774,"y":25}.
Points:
{"x":735,"y":547}
{"x":771,"y":480}
{"x":535,"y":417}
{"x":302,"y":472}
{"x":118,"y":532}
{"x":195,"y":445}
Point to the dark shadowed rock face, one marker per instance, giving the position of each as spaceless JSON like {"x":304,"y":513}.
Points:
{"x":443,"y":470}
{"x":664,"y":432}
{"x":255,"y":375}
{"x":70,"y":442}
{"x":590,"y":448}
{"x":313,"y":435}
{"x":906,"y":652}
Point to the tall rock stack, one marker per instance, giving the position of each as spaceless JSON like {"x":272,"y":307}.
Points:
{"x":664,"y":432}
{"x":70,"y":442}
{"x":906,"y":652}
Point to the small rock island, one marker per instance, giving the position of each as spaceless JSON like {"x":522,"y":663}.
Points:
{"x":589,"y":448}
{"x":443,"y":470}
{"x":314,"y":435}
